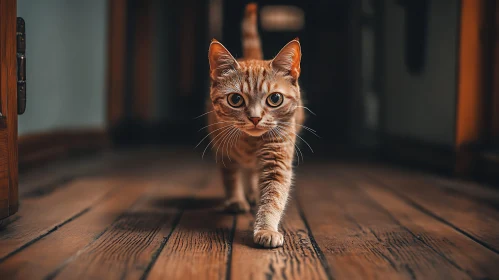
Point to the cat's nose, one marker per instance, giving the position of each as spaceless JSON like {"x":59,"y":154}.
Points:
{"x":255,"y":120}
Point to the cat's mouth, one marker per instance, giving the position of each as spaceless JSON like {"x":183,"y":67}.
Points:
{"x":255,"y":131}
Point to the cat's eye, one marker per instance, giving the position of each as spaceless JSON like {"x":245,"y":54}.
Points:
{"x":275,"y":99}
{"x":235,"y":100}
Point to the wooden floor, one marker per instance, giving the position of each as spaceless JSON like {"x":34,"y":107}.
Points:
{"x":152,"y":214}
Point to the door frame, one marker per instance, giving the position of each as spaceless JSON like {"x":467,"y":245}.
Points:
{"x":8,"y":99}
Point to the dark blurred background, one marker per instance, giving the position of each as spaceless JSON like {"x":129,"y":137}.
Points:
{"x":412,"y":82}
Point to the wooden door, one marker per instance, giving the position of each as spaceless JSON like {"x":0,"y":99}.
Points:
{"x":8,"y":109}
{"x":494,"y":89}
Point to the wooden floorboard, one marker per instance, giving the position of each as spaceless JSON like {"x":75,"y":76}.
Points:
{"x":451,"y":186}
{"x":125,"y":250}
{"x":155,"y":214}
{"x":200,"y":246}
{"x":46,"y":179}
{"x":482,"y":194}
{"x":477,"y":220}
{"x":351,"y":253}
{"x":38,"y":217}
{"x":45,"y":256}
{"x":367,"y":235}
{"x":477,"y":261}
{"x":128,"y":248}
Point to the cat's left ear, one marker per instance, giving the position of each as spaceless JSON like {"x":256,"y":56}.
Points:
{"x":288,"y":59}
{"x":221,"y":61}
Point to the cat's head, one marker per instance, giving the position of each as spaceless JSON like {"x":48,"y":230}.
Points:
{"x":255,"y":95}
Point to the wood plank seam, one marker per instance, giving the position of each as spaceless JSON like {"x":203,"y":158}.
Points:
{"x":231,"y":241}
{"x":430,"y":213}
{"x":56,"y":272}
{"x":42,"y":189}
{"x":472,"y":257}
{"x":155,"y":256}
{"x":345,"y":246}
{"x":58,"y":226}
{"x":443,"y":182}
{"x":384,"y":256}
{"x":446,"y":188}
{"x":31,"y":242}
{"x":316,"y":247}
{"x":201,"y":241}
{"x":375,"y":205}
{"x":379,"y":206}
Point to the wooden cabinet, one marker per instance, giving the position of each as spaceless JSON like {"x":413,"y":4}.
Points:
{"x":8,"y":108}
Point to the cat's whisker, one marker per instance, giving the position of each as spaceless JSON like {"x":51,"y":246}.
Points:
{"x":272,"y":136}
{"x":277,"y":137}
{"x":218,"y":142}
{"x":214,"y":124}
{"x":210,"y":134}
{"x":281,"y":132}
{"x":204,"y":114}
{"x":294,"y":142}
{"x":234,"y":138}
{"x":214,"y":140}
{"x":274,"y":133}
{"x":221,"y":144}
{"x":226,"y":128}
{"x":306,"y":108}
{"x":237,"y":138}
{"x":230,"y":144}
{"x":227,"y":144}
{"x":291,"y":125}
{"x":231,"y":139}
{"x":298,"y":150}
{"x":224,"y":142}
{"x":304,"y":127}
{"x":303,"y":140}
{"x":269,"y":135}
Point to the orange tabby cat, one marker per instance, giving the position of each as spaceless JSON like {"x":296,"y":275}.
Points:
{"x":255,"y":112}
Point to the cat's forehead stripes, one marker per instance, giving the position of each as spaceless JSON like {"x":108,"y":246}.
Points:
{"x":255,"y":77}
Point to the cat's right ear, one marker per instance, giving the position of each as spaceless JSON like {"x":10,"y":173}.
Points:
{"x":222,"y":62}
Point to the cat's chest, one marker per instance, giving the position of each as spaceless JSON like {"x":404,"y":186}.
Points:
{"x":245,"y":152}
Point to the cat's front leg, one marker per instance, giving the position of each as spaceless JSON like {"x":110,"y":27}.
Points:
{"x":234,"y":189}
{"x":251,"y":184}
{"x":275,"y":183}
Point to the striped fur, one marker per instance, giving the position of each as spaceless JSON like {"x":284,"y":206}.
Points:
{"x":258,"y":156}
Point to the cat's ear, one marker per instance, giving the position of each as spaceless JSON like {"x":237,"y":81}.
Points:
{"x":221,"y":61}
{"x":288,"y":59}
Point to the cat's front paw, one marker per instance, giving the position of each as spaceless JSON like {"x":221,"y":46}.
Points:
{"x":237,"y":206}
{"x":268,"y":238}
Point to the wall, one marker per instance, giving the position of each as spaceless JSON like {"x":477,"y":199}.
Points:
{"x":66,"y":64}
{"x":422,"y":107}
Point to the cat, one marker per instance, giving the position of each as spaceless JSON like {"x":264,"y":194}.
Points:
{"x":255,"y":114}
